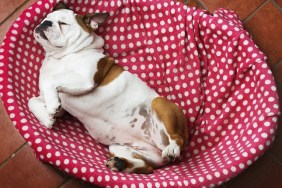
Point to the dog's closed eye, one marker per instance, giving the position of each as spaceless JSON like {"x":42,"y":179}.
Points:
{"x":63,"y":23}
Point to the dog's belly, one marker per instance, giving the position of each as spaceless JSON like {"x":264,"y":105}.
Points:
{"x":119,"y":130}
{"x":119,"y":112}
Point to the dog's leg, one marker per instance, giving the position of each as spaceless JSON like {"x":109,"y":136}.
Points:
{"x":133,"y":159}
{"x":73,"y":84}
{"x":69,"y":83}
{"x":76,"y":85}
{"x":75,"y":91}
{"x":51,"y":99}
{"x":38,"y":107}
{"x":175,"y":127}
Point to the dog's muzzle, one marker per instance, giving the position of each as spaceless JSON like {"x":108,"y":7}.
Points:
{"x":43,"y":27}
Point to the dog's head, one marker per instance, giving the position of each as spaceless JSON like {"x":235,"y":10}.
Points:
{"x":62,"y":28}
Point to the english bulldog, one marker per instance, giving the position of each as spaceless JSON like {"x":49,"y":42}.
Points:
{"x":143,"y":130}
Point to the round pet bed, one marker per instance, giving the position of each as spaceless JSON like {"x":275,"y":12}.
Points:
{"x":206,"y":63}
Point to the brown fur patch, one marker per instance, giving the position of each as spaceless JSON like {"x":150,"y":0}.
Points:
{"x":86,"y":20}
{"x":144,"y":170}
{"x":164,"y":137}
{"x":147,"y":169}
{"x":107,"y":71}
{"x":80,"y":21}
{"x":173,"y":119}
{"x":127,"y":163}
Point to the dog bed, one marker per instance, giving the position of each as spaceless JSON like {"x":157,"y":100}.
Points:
{"x":206,"y":63}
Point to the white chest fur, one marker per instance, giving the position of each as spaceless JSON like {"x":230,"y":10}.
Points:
{"x":71,"y":70}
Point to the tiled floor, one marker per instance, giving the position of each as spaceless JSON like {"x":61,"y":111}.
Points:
{"x":262,"y":18}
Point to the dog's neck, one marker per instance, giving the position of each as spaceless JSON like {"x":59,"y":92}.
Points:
{"x":94,"y":42}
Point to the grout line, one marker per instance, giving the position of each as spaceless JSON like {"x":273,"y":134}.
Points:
{"x":64,"y":182}
{"x":10,"y":15}
{"x":279,"y":86}
{"x":276,"y":5}
{"x":275,"y":65}
{"x":202,"y":4}
{"x":255,"y":11}
{"x":59,"y":172}
{"x":275,"y":158}
{"x":12,"y":156}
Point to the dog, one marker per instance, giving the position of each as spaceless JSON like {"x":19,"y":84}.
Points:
{"x":143,"y":130}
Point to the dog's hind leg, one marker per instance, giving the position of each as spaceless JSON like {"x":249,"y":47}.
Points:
{"x":133,"y":159}
{"x":174,"y":125}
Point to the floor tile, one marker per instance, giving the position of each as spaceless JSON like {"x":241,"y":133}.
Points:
{"x":24,"y":170}
{"x":75,"y":183}
{"x":10,"y":139}
{"x":241,"y":7}
{"x":192,"y":3}
{"x":265,"y":27}
{"x":181,"y":1}
{"x":4,"y":27}
{"x":263,"y":173}
{"x":8,"y":6}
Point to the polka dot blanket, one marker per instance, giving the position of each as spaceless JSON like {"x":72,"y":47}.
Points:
{"x":206,"y":63}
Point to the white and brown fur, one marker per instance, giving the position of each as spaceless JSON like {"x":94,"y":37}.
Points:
{"x":142,"y":129}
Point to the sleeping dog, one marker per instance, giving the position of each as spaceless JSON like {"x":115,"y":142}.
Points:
{"x":142,"y":129}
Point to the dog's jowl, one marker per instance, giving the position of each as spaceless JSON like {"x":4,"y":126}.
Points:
{"x":77,"y":77}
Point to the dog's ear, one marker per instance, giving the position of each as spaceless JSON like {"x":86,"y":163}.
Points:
{"x":60,"y":5}
{"x":93,"y":21}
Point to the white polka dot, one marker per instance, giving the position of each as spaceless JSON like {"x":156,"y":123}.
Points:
{"x":25,"y":128}
{"x":26,"y":136}
{"x":83,"y":169}
{"x":58,"y":163}
{"x":253,"y":150}
{"x":57,"y":153}
{"x":49,"y":155}
{"x":75,"y":170}
{"x":38,"y":140}
{"x":91,"y":179}
{"x":66,"y":161}
{"x":264,"y":135}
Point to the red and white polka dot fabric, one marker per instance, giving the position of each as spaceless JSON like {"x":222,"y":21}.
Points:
{"x":206,"y":63}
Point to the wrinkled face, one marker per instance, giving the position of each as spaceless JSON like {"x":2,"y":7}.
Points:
{"x":58,"y":30}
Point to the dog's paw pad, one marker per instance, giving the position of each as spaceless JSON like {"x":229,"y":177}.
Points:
{"x":171,"y":152}
{"x":116,"y":164}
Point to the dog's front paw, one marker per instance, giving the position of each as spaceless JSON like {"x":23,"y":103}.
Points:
{"x":48,"y":122}
{"x":116,"y":164}
{"x":54,"y":109}
{"x":57,"y":112}
{"x":171,"y":152}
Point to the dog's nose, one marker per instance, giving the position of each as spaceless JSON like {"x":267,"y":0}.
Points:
{"x":43,"y":26}
{"x":46,"y":24}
